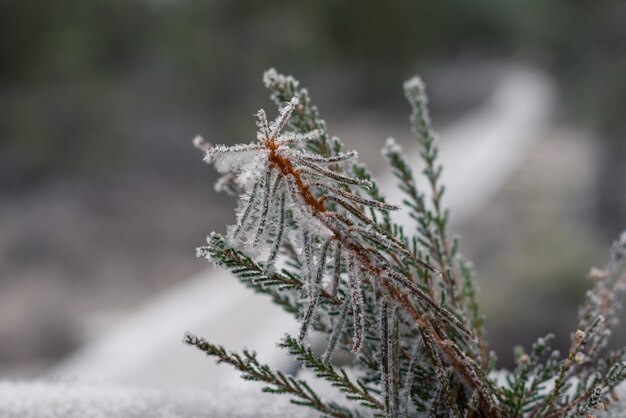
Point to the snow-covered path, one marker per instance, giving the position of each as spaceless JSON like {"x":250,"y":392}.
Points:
{"x":147,"y":350}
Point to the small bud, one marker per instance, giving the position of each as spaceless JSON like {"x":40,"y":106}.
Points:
{"x":201,"y":144}
{"x":579,"y":336}
{"x":601,"y":406}
{"x":597,"y":274}
{"x":579,"y":358}
{"x":524,"y":359}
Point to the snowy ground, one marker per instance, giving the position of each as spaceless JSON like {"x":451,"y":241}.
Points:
{"x":39,"y":399}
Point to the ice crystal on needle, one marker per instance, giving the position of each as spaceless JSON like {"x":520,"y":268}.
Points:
{"x":272,"y":169}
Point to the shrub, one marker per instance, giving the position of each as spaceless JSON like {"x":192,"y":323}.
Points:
{"x":313,"y":232}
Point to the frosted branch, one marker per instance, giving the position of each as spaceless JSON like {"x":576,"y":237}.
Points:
{"x":336,"y":269}
{"x":356,"y":296}
{"x":262,"y":124}
{"x":384,"y":356}
{"x":278,"y":239}
{"x":265,"y":205}
{"x":314,"y":293}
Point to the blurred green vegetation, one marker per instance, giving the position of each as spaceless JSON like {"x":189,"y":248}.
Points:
{"x":67,"y":65}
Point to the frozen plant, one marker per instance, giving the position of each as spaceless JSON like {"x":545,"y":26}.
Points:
{"x":313,"y":232}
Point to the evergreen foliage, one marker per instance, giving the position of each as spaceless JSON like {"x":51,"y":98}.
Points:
{"x":314,"y":233}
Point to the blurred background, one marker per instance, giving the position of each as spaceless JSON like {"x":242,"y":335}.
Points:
{"x":103,"y":199}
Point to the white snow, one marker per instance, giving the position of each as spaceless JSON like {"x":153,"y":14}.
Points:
{"x":66,"y":399}
{"x":49,"y":399}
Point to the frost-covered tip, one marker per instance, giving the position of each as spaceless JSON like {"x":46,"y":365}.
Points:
{"x":391,"y":147}
{"x":272,"y":78}
{"x":201,"y":144}
{"x":283,"y":116}
{"x":415,"y":92}
{"x":597,"y":274}
{"x":201,"y":252}
{"x":415,"y":85}
{"x":262,"y":124}
{"x":269,"y":77}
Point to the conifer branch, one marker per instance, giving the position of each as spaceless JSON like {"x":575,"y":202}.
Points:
{"x":356,"y":391}
{"x":255,"y":276}
{"x":279,"y":383}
